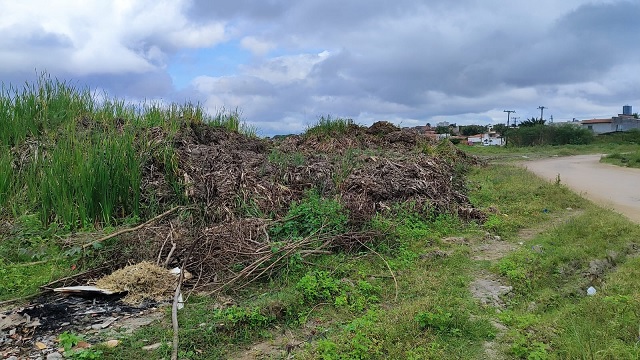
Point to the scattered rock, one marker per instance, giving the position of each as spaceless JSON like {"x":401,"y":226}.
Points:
{"x":489,"y":292}
{"x":493,"y":250}
{"x":597,"y":269}
{"x":152,"y":347}
{"x":55,"y":356}
{"x":111,"y":343}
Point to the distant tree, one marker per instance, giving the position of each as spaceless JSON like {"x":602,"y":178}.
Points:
{"x":443,"y":130}
{"x":549,"y":135}
{"x":532,"y":122}
{"x":429,"y":125}
{"x":473,"y":130}
{"x":635,"y":115}
{"x":500,"y":128}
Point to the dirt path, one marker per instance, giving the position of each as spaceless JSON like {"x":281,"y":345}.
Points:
{"x":489,"y":289}
{"x":608,"y":185}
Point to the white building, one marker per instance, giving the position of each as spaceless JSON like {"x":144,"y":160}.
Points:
{"x":487,"y":139}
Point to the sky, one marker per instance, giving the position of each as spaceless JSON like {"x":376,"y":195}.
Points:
{"x":283,"y":64}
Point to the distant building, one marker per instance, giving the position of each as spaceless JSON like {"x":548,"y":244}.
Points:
{"x":623,"y":122}
{"x":598,"y":126}
{"x":486,"y":139}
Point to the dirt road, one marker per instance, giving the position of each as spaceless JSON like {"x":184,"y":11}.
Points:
{"x":608,"y":185}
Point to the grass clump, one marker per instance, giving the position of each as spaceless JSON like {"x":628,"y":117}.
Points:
{"x":76,"y":159}
{"x":631,"y":159}
{"x":327,"y":126}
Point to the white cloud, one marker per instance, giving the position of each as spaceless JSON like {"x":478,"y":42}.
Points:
{"x":257,"y":47}
{"x":104,"y":37}
{"x":286,"y":69}
{"x":407,"y":61}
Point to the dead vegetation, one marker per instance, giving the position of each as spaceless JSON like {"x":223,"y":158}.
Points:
{"x":238,"y":187}
{"x":142,"y":281}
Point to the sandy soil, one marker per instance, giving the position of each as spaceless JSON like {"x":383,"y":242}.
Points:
{"x":612,"y":186}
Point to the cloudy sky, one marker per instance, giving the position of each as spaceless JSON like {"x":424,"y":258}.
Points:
{"x":285,"y":63}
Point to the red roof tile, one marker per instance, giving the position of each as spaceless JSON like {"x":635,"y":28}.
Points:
{"x":596,"y":121}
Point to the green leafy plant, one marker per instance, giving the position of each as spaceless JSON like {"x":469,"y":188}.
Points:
{"x":318,"y":286}
{"x":313,"y":215}
{"x":69,"y":340}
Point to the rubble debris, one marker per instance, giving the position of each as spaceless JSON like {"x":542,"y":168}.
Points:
{"x":32,"y":331}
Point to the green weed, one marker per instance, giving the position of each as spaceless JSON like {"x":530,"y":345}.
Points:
{"x":283,"y":159}
{"x":312,"y":215}
{"x":69,"y":340}
{"x":623,"y":159}
{"x":327,"y":126}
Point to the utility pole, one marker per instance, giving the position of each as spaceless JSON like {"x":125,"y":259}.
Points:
{"x":515,"y":121}
{"x":506,"y":140}
{"x":541,"y":111}
{"x":509,"y":115}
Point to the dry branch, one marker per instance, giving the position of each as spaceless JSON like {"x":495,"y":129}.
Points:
{"x":135,"y":228}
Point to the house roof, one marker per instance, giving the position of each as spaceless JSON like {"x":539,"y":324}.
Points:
{"x":596,"y":121}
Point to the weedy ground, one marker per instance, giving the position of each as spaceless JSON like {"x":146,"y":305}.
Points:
{"x":405,"y":296}
{"x":626,"y":159}
{"x":346,"y":307}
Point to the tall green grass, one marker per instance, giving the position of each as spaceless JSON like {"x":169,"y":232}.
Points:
{"x":329,"y":126}
{"x":75,"y":157}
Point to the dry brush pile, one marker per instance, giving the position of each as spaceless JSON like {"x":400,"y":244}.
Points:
{"x":238,"y":188}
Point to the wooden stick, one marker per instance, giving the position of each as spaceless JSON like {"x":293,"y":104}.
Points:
{"x":124,"y":231}
{"x":174,"y":316}
{"x":386,"y":263}
{"x":174,"y":307}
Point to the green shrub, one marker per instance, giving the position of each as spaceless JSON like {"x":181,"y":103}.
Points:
{"x":312,"y":215}
{"x":538,"y":135}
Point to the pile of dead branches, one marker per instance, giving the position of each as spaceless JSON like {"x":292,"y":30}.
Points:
{"x":238,"y":187}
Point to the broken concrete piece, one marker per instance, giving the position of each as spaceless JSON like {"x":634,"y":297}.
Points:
{"x":104,"y":324}
{"x":11,"y":321}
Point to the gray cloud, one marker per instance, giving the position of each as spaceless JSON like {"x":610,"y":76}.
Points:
{"x":408,"y":61}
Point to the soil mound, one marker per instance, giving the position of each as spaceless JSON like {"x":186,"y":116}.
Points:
{"x":380,"y":136}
